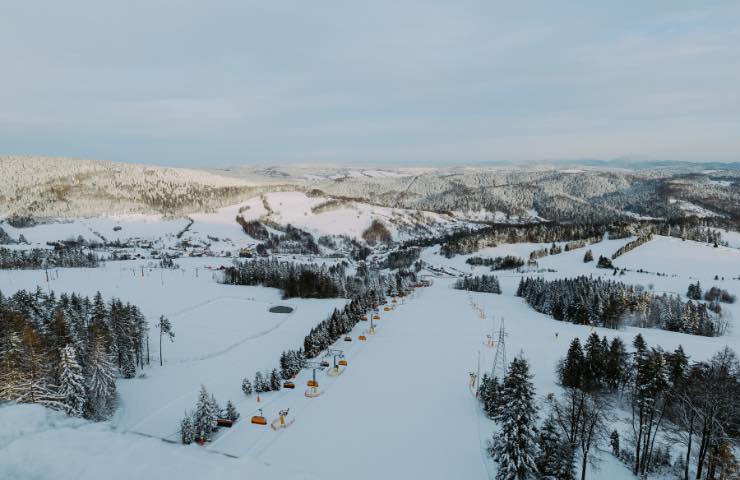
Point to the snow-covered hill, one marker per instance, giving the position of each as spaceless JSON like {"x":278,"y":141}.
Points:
{"x":62,"y":187}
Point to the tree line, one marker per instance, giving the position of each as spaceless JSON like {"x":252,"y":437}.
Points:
{"x":401,"y":258}
{"x":605,"y":303}
{"x":462,"y":243}
{"x":577,"y":234}
{"x":714,"y":294}
{"x":483,"y":283}
{"x":692,"y":406}
{"x":682,"y":416}
{"x":65,"y":352}
{"x":508,"y":262}
{"x":47,"y":258}
{"x":294,"y":279}
{"x":312,"y":281}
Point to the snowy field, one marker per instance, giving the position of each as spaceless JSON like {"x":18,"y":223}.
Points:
{"x":400,"y":409}
{"x":223,"y":332}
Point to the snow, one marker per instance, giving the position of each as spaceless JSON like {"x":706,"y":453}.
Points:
{"x":217,"y":327}
{"x":721,"y":183}
{"x":693,"y":209}
{"x":348,"y":218}
{"x":295,"y":208}
{"x":732,"y":238}
{"x":401,"y":408}
{"x":36,"y":443}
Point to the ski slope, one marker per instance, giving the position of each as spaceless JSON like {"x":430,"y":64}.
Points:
{"x":401,"y":408}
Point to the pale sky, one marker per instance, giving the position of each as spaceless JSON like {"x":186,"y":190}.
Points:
{"x":216,"y":83}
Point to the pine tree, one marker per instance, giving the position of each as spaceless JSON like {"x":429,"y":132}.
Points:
{"x":488,"y":393}
{"x":231,"y":412}
{"x":71,"y":382}
{"x":215,"y":407}
{"x":165,"y":329}
{"x":616,"y":364}
{"x":571,"y":369}
{"x":554,"y":458}
{"x":259,"y":383}
{"x":247,"y":387}
{"x":275,"y":384}
{"x":595,"y":360}
{"x":588,"y":257}
{"x":100,"y":382}
{"x":186,"y":429}
{"x":515,"y":445}
{"x":614,"y":442}
{"x":204,"y":417}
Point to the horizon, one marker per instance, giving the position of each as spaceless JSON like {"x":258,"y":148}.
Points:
{"x":418,"y":84}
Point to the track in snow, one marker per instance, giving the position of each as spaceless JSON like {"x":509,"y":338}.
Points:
{"x":402,"y":408}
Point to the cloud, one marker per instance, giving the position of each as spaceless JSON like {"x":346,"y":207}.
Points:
{"x":244,"y":81}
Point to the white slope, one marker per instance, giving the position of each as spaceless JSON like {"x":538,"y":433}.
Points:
{"x":223,"y":333}
{"x":222,"y":233}
{"x":401,"y":409}
{"x":342,"y":218}
{"x":39,"y":444}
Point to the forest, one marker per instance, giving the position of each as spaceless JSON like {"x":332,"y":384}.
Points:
{"x":305,"y":280}
{"x":578,"y":234}
{"x":680,"y":415}
{"x":47,"y":258}
{"x":606,"y":303}
{"x":483,"y":283}
{"x":66,"y":352}
{"x":508,"y":262}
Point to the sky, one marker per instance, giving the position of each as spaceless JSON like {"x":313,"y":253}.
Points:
{"x":222,"y":83}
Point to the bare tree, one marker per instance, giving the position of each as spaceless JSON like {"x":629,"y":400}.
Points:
{"x":582,"y":417}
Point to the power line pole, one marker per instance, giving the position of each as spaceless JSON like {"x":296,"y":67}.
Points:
{"x":499,"y":358}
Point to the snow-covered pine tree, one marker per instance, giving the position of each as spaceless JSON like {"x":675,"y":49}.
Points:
{"x":186,"y":429}
{"x":554,"y":458}
{"x":594,"y":362}
{"x":515,"y":445}
{"x":231,"y":412}
{"x":275,"y":384}
{"x":215,"y":407}
{"x":204,"y":417}
{"x":488,"y":394}
{"x":247,"y":387}
{"x":570,"y":369}
{"x":259,"y":383}
{"x":71,"y":382}
{"x":100,"y":382}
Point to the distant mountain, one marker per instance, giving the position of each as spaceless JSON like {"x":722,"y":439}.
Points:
{"x":566,"y":191}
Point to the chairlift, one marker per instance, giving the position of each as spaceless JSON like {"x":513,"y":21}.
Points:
{"x":280,"y":422}
{"x":343,"y":363}
{"x":259,"y":419}
{"x":288,"y":385}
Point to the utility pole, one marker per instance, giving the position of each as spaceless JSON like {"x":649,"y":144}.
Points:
{"x":499,"y":358}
